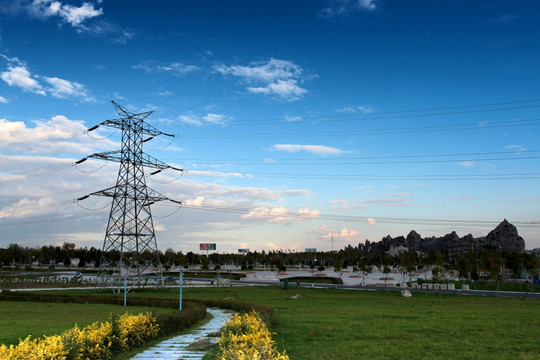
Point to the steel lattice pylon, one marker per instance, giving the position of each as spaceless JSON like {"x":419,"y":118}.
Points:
{"x":130,"y":251}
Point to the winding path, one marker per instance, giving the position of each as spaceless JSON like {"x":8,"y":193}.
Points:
{"x":176,"y":348}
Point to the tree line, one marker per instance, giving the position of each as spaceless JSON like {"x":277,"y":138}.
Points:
{"x":491,"y":264}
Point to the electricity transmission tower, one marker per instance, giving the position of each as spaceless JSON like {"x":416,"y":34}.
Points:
{"x":130,"y":251}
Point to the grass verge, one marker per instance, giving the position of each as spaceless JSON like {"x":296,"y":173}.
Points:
{"x":20,"y":319}
{"x":337,"y":324}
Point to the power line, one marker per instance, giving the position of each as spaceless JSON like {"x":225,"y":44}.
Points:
{"x":385,"y":131}
{"x":376,"y":115}
{"x":326,"y":161}
{"x":360,"y":219}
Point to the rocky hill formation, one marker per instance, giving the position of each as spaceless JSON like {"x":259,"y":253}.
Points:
{"x":504,"y":238}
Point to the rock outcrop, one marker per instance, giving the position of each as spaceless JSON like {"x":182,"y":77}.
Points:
{"x":504,"y":238}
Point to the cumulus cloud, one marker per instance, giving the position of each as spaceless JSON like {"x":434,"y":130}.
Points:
{"x":63,"y":89}
{"x":18,"y":75}
{"x":344,"y":8}
{"x":280,"y":214}
{"x":16,"y":136}
{"x":345,"y":234}
{"x":275,"y":77}
{"x":312,"y":149}
{"x":86,"y":18}
{"x":73,"y":15}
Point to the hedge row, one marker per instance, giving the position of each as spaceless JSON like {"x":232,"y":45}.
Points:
{"x":169,"y":323}
{"x":193,"y":310}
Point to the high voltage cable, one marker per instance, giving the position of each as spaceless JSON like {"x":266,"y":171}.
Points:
{"x":428,"y":177}
{"x":326,"y":217}
{"x":349,"y":115}
{"x":341,"y":161}
{"x":396,"y":162}
{"x":36,"y":173}
{"x":387,"y":117}
{"x":363,"y":116}
{"x":220,"y":161}
{"x":408,"y":130}
{"x":349,"y":218}
{"x":53,"y":195}
{"x":44,"y":142}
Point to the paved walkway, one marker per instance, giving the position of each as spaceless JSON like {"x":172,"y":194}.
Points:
{"x":176,"y":348}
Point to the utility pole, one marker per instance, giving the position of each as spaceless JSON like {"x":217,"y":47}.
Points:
{"x":130,"y":248}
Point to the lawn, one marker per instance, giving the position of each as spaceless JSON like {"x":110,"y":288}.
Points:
{"x":20,"y":319}
{"x":340,"y":324}
{"x":337,"y":324}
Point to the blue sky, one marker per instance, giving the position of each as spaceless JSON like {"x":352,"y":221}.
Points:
{"x":297,"y":122}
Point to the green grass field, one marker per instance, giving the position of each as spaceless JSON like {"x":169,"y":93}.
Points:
{"x":339,"y":324}
{"x":334,"y":324}
{"x":20,"y":319}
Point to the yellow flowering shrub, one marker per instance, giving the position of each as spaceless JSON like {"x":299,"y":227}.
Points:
{"x":136,"y":330}
{"x":246,"y":337}
{"x":94,"y":342}
{"x":48,"y":348}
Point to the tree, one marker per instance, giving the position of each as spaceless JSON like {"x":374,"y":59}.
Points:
{"x":531,"y":264}
{"x":169,"y":256}
{"x":364,"y":267}
{"x":492,"y":262}
{"x":338,"y":267}
{"x":407,"y":262}
{"x":465,"y":265}
{"x":514,"y":262}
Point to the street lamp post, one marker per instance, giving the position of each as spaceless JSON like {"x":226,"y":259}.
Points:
{"x":180,"y":282}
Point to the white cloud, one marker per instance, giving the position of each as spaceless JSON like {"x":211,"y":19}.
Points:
{"x":215,"y":119}
{"x":313,"y":149}
{"x":16,"y":136}
{"x":275,"y":77}
{"x":3,"y":100}
{"x":516,"y":148}
{"x":281,"y":214}
{"x":283,"y":88}
{"x":346,"y":235}
{"x":190,"y":120}
{"x":293,"y":118}
{"x":344,"y":8}
{"x":63,"y":89}
{"x":18,"y":75}
{"x":356,"y":109}
{"x":77,"y":15}
{"x":467,"y":164}
{"x":206,"y":120}
{"x":277,"y":214}
{"x":272,"y":70}
{"x":262,"y":193}
{"x":86,"y":18}
{"x":213,"y":173}
{"x":68,"y":13}
{"x":175,"y":68}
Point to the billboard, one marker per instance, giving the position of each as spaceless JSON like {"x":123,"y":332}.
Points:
{"x":243,"y":251}
{"x":311,"y":250}
{"x":207,"y":246}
